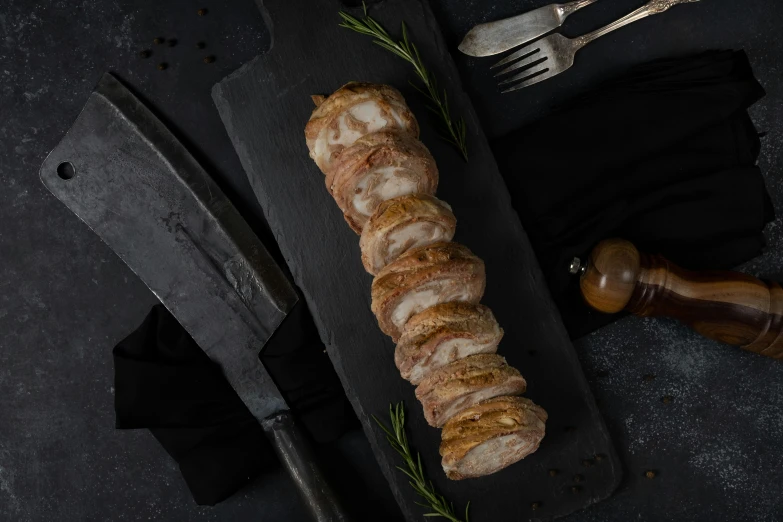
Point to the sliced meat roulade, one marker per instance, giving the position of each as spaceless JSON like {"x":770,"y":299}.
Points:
{"x":352,"y":111}
{"x":423,"y":277}
{"x":491,"y":435}
{"x":378,"y":167}
{"x":442,"y":334}
{"x":464,"y":383}
{"x":403,"y":223}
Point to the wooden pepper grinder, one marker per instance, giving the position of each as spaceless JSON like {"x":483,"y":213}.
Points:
{"x":730,"y":307}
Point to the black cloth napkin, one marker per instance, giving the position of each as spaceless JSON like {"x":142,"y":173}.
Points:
{"x":165,"y":382}
{"x":664,"y":156}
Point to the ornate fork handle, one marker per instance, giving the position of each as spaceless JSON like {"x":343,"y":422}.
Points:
{"x":650,"y":8}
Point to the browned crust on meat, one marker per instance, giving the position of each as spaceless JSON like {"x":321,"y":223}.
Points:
{"x":427,"y":330}
{"x":442,"y":260}
{"x":378,"y":149}
{"x":487,"y":420}
{"x":371,"y":152}
{"x":474,"y":372}
{"x":350,"y":94}
{"x":392,"y":215}
{"x":464,"y":377}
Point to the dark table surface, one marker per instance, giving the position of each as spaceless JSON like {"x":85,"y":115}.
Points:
{"x":65,"y":298}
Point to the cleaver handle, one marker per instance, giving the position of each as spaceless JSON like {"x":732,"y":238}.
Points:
{"x":294,"y":451}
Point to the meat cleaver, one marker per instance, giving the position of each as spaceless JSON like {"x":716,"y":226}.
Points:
{"x":122,"y":172}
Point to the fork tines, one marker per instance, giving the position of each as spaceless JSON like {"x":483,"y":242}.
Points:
{"x":531,"y":59}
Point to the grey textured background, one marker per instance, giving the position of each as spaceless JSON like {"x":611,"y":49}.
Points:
{"x":65,"y":299}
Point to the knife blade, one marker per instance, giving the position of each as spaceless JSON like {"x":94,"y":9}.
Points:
{"x":122,"y":172}
{"x":495,"y":37}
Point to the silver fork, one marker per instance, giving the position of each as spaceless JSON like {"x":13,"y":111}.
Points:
{"x":554,"y":54}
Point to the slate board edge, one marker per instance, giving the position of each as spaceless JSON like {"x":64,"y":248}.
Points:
{"x":466,"y":109}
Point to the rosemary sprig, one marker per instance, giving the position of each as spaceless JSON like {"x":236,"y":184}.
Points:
{"x":455,"y":132}
{"x":413,"y":468}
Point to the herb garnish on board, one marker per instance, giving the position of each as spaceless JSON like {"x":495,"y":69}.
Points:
{"x":455,"y":131}
{"x":413,"y":468}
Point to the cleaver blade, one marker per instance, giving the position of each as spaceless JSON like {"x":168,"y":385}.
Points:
{"x":123,"y":173}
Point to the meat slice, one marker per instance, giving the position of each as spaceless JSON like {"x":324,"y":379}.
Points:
{"x":464,"y":383}
{"x":442,"y":334}
{"x":353,"y":111}
{"x":490,"y":436}
{"x":403,"y":223}
{"x":378,"y":167}
{"x":423,"y":277}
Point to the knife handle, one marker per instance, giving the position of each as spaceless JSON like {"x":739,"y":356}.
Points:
{"x":650,"y":8}
{"x":294,"y":451}
{"x":566,"y":10}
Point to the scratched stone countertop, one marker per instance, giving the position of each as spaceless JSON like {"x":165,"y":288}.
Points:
{"x":66,"y":299}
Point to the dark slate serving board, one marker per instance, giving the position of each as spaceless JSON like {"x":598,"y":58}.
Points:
{"x":264,"y":107}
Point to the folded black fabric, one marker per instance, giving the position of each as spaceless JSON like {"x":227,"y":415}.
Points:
{"x":165,"y":382}
{"x":664,"y":156}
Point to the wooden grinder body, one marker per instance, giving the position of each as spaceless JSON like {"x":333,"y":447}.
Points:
{"x":730,"y":307}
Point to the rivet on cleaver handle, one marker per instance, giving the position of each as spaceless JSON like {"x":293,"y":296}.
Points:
{"x":495,"y":37}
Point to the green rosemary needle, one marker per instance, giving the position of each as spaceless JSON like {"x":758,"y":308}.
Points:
{"x":413,"y":468}
{"x":455,"y":132}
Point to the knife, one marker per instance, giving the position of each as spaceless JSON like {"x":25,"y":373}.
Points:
{"x":122,"y":172}
{"x":495,"y":37}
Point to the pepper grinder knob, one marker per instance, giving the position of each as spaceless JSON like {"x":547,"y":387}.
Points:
{"x":609,"y":280}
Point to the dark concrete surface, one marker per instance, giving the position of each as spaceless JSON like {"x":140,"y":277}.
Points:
{"x":65,"y":299}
